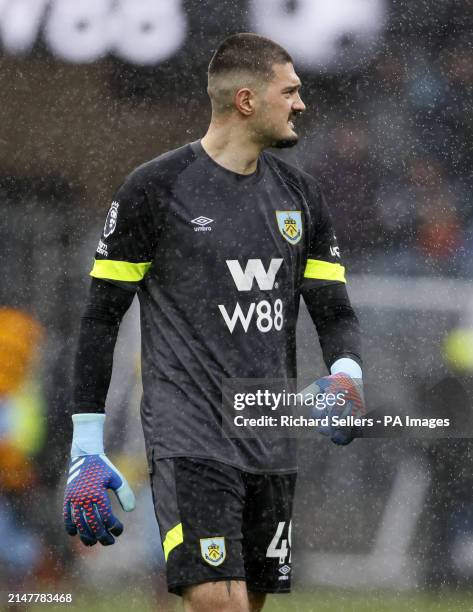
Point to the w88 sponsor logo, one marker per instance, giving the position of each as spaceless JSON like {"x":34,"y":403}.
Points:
{"x":267,"y":315}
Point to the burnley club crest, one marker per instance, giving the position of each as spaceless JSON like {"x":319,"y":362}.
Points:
{"x":213,"y":550}
{"x":290,"y":224}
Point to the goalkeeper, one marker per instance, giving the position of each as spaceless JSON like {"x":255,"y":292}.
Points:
{"x":219,"y":239}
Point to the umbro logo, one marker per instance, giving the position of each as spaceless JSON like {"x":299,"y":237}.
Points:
{"x":202,"y":220}
{"x":284,"y":570}
{"x":202,"y":223}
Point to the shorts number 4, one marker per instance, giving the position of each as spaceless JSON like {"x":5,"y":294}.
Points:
{"x":279,"y":546}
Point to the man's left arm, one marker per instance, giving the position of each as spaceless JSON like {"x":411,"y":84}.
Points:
{"x":326,"y":297}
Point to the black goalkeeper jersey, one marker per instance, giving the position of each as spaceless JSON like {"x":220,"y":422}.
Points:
{"x":220,"y":261}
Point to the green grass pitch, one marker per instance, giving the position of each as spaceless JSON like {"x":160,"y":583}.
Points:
{"x":316,"y":601}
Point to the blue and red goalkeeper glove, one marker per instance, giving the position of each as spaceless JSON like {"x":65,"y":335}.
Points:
{"x":343,"y":398}
{"x":87,"y":508}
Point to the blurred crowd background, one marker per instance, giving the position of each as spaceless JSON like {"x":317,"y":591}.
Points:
{"x":89,"y":91}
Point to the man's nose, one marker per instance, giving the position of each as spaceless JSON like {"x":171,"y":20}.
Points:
{"x":299,"y":105}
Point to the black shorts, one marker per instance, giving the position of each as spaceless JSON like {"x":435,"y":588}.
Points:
{"x":220,"y":523}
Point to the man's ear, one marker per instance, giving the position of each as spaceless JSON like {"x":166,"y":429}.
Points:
{"x":245,"y":101}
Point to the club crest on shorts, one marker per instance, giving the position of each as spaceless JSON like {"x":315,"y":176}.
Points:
{"x":111,"y":220}
{"x":290,"y":224}
{"x":213,"y":550}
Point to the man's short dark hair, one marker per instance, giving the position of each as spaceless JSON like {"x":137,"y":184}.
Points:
{"x":246,"y":54}
{"x":250,"y":53}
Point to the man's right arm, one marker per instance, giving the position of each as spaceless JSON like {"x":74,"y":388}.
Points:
{"x":124,"y":256}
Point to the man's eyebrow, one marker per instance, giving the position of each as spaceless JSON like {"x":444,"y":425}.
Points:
{"x":291,"y":87}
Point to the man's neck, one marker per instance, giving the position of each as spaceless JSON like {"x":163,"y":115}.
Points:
{"x":231,"y":148}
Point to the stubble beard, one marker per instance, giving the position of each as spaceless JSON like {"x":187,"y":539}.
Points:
{"x":269,"y":139}
{"x":285,"y":143}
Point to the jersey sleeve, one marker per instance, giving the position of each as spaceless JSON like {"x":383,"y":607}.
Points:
{"x":324,"y":287}
{"x":323,"y":264}
{"x":126,"y":248}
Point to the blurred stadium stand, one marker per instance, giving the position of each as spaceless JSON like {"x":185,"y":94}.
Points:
{"x":388,"y":132}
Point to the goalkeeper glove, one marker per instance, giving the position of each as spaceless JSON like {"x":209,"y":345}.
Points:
{"x":87,"y":508}
{"x":345,"y":385}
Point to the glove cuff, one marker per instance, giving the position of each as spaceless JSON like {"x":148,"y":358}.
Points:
{"x":87,"y":438}
{"x":345,"y":365}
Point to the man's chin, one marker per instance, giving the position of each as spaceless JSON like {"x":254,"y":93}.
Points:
{"x":286,"y":143}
